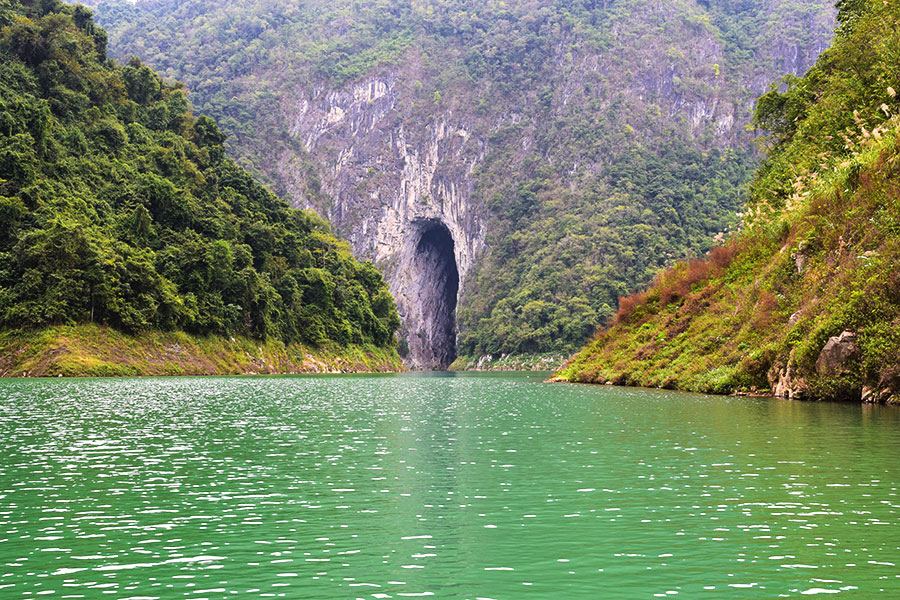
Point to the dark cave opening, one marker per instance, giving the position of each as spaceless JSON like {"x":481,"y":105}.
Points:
{"x":438,"y":282}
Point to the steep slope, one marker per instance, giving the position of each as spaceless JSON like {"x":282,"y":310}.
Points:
{"x":569,"y":149}
{"x":805,"y":302}
{"x":117,"y":207}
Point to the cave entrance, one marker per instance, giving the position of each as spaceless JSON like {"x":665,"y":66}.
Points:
{"x":437,"y":283}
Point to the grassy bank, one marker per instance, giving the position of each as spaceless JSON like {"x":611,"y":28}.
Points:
{"x":95,"y":351}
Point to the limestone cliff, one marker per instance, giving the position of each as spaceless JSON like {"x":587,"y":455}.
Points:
{"x":478,"y":121}
{"x":402,"y":194}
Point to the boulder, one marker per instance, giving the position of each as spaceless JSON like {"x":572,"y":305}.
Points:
{"x":874,"y":395}
{"x":838,"y":354}
{"x":890,"y":378}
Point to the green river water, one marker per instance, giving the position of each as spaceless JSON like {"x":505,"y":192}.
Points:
{"x":466,"y":486}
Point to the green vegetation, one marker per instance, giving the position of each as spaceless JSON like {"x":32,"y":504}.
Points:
{"x":602,"y":162}
{"x":94,"y":351}
{"x":817,"y":257}
{"x":118,"y":207}
{"x":550,"y":279}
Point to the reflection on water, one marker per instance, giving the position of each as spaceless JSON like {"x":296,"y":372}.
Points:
{"x":491,"y":486}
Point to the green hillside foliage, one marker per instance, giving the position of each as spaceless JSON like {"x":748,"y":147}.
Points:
{"x":618,"y":181}
{"x":818,"y":255}
{"x":117,"y":206}
{"x":550,"y":279}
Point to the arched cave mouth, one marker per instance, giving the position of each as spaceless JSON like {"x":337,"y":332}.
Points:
{"x":437,"y":280}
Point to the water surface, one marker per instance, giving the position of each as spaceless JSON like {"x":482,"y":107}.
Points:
{"x":472,"y":486}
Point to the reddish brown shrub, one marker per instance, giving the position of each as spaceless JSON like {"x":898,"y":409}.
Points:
{"x":628,"y":304}
{"x":675,"y":283}
{"x":679,"y":326}
{"x":646,"y":351}
{"x":721,"y":256}
{"x":865,"y":181}
{"x":696,"y":303}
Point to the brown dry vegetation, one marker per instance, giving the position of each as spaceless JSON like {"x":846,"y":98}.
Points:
{"x":676,"y":283}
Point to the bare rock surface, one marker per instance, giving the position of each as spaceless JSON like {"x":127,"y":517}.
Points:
{"x":838,"y":354}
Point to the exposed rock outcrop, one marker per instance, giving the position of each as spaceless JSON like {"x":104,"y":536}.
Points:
{"x":835,"y":359}
{"x":887,"y":390}
{"x":838,"y":354}
{"x":786,"y":382}
{"x":393,"y":188}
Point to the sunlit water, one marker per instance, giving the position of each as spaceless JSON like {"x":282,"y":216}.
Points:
{"x":490,"y":486}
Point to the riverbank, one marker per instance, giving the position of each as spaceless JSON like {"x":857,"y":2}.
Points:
{"x":509,"y":362}
{"x":561,"y":376}
{"x":96,"y":351}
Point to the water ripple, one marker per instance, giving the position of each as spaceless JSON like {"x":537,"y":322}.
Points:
{"x":454,"y":487}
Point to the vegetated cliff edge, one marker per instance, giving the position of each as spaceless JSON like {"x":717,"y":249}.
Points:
{"x":569,"y":149}
{"x":805,"y":302}
{"x":118,"y":207}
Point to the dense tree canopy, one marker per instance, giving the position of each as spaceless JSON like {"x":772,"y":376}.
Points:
{"x":118,"y":206}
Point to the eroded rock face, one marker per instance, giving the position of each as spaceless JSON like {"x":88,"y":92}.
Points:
{"x":787,"y":383}
{"x":835,"y":359}
{"x":886,"y":391}
{"x":838,"y":353}
{"x":403,"y":197}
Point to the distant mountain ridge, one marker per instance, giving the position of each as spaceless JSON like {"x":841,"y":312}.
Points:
{"x":568,"y":148}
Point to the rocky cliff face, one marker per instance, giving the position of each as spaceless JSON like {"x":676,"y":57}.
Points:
{"x":401,"y":193}
{"x":464,"y":106}
{"x":393,"y":172}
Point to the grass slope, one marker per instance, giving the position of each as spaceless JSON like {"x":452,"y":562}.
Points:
{"x":818,"y":255}
{"x":95,"y":351}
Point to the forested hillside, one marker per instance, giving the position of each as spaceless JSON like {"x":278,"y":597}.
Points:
{"x":572,"y":148}
{"x":119,"y":207}
{"x":805,"y":301}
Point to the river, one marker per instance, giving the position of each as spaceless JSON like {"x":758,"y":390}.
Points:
{"x":438,"y":485}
